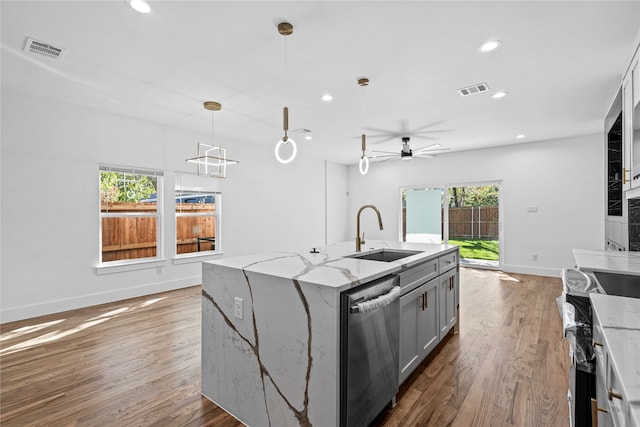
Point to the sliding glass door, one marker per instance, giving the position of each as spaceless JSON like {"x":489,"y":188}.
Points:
{"x":465,"y":215}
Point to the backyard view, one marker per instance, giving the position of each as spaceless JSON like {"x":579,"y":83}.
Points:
{"x":474,"y":220}
{"x":129,"y":216}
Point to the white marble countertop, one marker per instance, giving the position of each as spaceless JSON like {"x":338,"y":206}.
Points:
{"x":620,"y":321}
{"x":607,"y":261}
{"x":329,"y":267}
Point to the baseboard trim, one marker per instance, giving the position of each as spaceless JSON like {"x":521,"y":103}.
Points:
{"x":50,"y":307}
{"x":536,"y":271}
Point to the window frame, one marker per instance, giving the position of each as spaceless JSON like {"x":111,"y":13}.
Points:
{"x":217,"y":216}
{"x":158,"y":260}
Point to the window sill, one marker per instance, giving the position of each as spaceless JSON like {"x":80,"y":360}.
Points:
{"x":196,"y":257}
{"x":128,"y":265}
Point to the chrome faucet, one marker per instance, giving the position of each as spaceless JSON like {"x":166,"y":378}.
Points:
{"x":359,"y":241}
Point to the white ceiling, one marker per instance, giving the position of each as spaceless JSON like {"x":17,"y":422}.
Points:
{"x":560,"y":62}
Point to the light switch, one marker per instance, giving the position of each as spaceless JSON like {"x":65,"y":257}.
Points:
{"x":237,"y":307}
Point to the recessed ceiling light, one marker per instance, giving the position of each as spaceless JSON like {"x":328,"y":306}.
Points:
{"x":327,"y":97}
{"x":499,"y":94}
{"x":140,"y":6}
{"x":490,"y":46}
{"x":308,"y":137}
{"x":519,"y":136}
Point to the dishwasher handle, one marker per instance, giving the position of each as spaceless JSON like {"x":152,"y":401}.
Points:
{"x":377,"y":302}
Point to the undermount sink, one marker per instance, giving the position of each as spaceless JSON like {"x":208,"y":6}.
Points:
{"x":384,"y":255}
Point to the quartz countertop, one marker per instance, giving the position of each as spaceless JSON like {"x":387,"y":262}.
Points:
{"x":619,"y":318}
{"x":607,"y":261}
{"x":329,"y":267}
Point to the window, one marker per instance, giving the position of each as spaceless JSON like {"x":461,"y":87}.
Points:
{"x":197,"y":221}
{"x":130,"y":220}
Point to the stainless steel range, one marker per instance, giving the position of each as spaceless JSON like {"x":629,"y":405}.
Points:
{"x":577,"y":319}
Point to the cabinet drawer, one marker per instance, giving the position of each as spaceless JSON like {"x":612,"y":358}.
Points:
{"x":448,"y":261}
{"x":415,"y":276}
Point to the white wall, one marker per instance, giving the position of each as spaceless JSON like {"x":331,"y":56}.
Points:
{"x":564,"y":178}
{"x":50,"y":156}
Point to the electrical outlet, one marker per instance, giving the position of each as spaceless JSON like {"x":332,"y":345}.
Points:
{"x":159,"y":270}
{"x":237,"y":307}
{"x":535,"y":257}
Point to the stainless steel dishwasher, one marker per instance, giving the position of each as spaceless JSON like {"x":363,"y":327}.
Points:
{"x":369,"y":342}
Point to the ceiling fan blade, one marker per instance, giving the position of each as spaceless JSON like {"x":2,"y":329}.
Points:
{"x":424,"y":156}
{"x":432,"y":138}
{"x":395,"y":153}
{"x":390,"y":158}
{"x":428,"y":125}
{"x":385,"y":138}
{"x":426,"y":147}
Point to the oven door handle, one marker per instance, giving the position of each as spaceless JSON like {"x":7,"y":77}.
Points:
{"x":377,"y":302}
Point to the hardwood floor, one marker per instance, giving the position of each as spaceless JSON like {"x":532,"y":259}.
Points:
{"x":137,"y":363}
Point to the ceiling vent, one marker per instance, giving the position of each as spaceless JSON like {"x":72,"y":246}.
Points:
{"x":44,"y":49}
{"x":473,"y":89}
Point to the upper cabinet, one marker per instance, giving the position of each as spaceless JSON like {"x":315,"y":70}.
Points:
{"x":631,"y":128}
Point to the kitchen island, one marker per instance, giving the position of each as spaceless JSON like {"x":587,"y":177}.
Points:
{"x":271,"y":328}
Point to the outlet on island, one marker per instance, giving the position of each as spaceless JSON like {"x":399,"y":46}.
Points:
{"x":237,"y":307}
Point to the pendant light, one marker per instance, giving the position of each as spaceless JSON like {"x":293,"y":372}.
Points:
{"x":212,"y":159}
{"x":364,"y":160}
{"x":285,"y":29}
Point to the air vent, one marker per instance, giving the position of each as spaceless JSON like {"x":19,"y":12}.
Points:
{"x":44,"y":49}
{"x":472,"y":90}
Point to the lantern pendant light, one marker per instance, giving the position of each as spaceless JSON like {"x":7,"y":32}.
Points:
{"x":285,"y":29}
{"x":364,"y":160}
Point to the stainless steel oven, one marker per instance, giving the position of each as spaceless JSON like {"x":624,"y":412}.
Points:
{"x":369,"y":342}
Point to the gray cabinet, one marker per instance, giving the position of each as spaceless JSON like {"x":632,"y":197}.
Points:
{"x":418,"y":326}
{"x":428,"y":309}
{"x":448,"y":297}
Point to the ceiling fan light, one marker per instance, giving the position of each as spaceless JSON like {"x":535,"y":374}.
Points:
{"x":293,"y":153}
{"x":364,"y":165}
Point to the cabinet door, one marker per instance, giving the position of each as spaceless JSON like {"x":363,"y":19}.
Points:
{"x":635,"y":81}
{"x":410,"y":313}
{"x":604,"y":419}
{"x":428,"y":320}
{"x":627,"y":132}
{"x":448,"y":301}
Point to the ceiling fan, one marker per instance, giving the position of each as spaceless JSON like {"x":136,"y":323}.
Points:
{"x":425,"y":131}
{"x":407,"y":153}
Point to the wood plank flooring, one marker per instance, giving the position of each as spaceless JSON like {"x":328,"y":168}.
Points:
{"x":137,"y":363}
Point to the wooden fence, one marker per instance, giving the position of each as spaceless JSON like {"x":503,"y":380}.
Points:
{"x":480,"y":222}
{"x":135,"y":237}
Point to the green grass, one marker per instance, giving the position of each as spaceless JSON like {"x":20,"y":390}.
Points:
{"x":478,"y":249}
